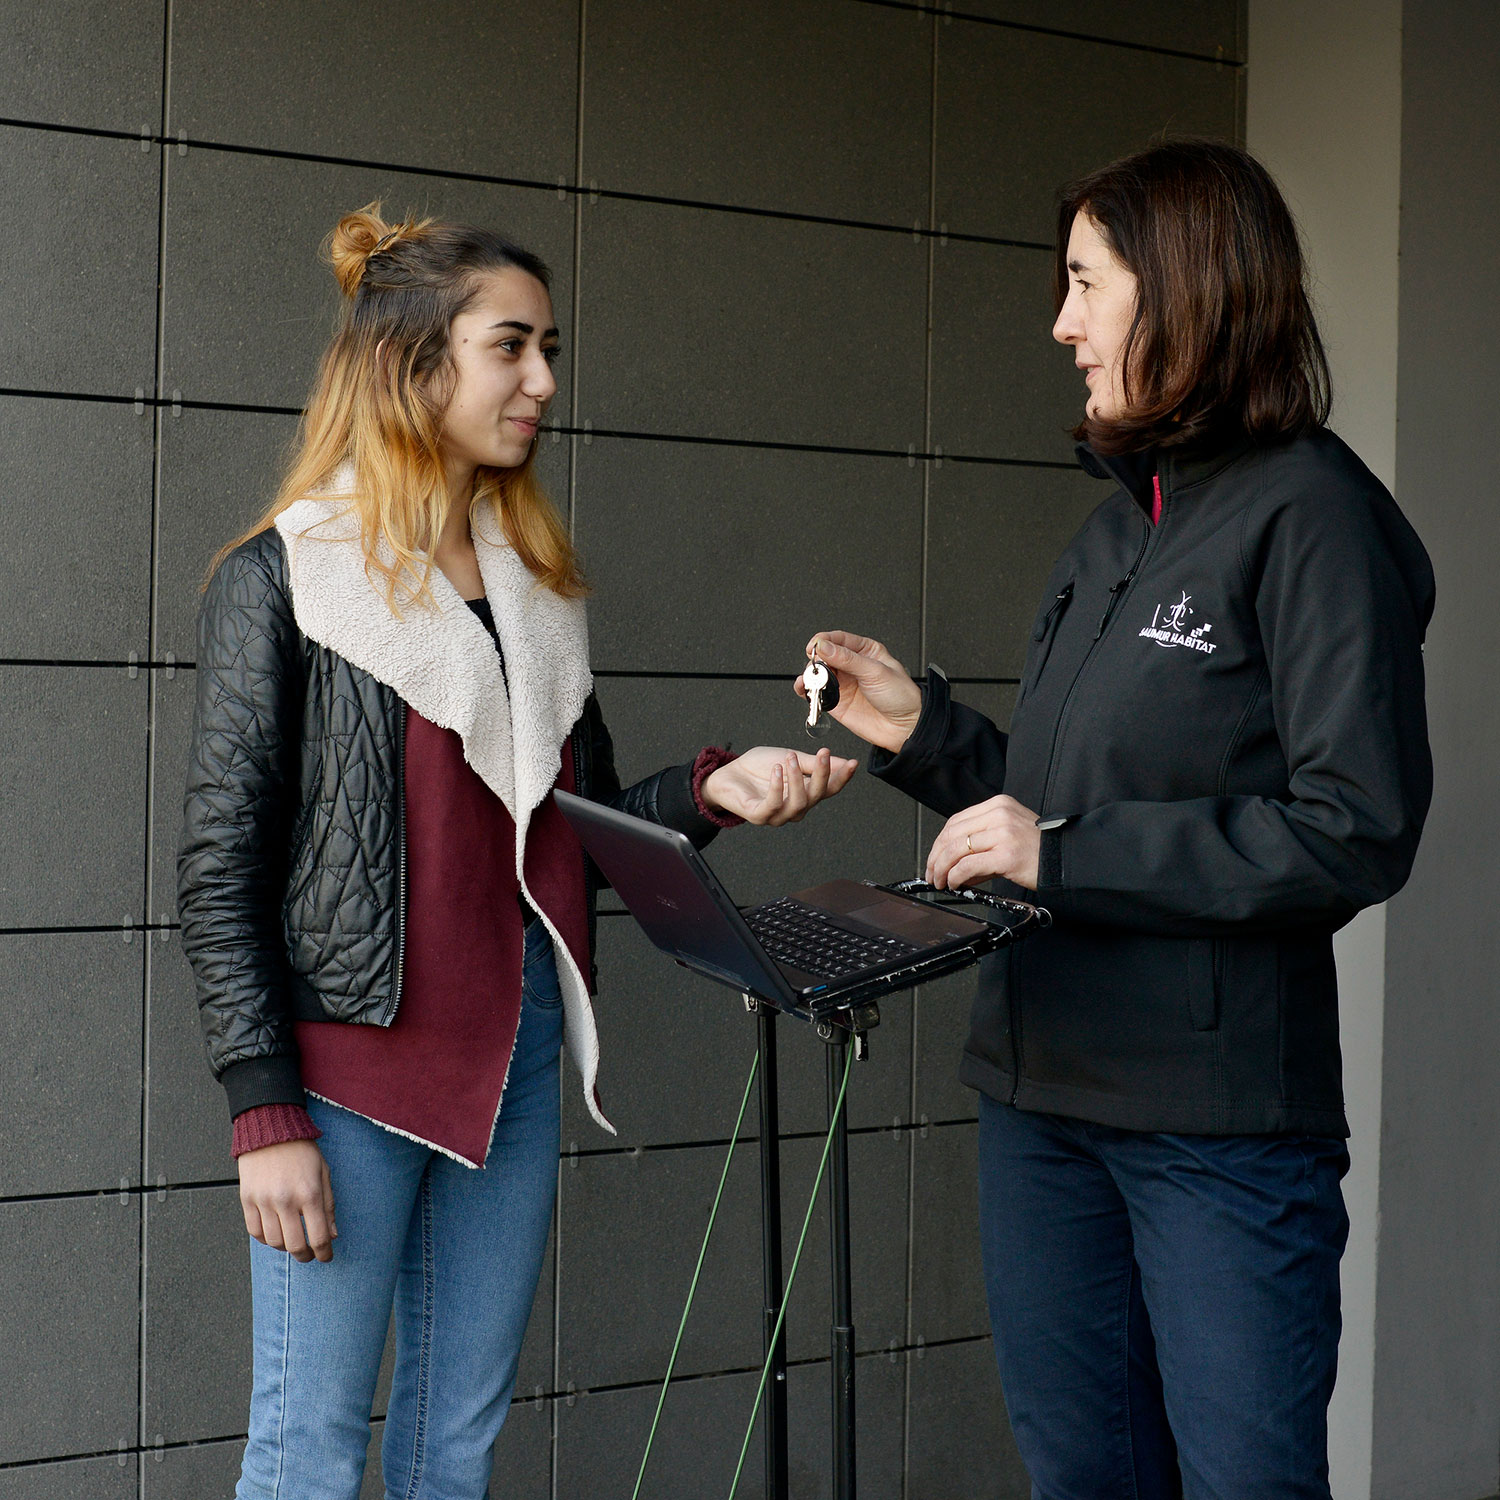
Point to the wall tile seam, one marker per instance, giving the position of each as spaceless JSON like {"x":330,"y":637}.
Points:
{"x":116,"y":928}
{"x":911,"y":455}
{"x":149,"y":858}
{"x":122,"y":1195}
{"x":107,"y":398}
{"x":734,"y":1372}
{"x":631,"y":674}
{"x":562,"y":1396}
{"x":913,"y":1070}
{"x":105,"y":663}
{"x":947,"y":12}
{"x":918,"y":1126}
{"x":663,"y":674}
{"x":144,"y":1189}
{"x":589,"y":192}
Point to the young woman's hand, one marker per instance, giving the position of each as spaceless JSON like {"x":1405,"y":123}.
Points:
{"x":284,"y":1188}
{"x":998,"y":837}
{"x":878,"y":701}
{"x":771,"y":786}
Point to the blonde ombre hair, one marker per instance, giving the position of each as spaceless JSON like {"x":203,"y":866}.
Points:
{"x":376,"y":407}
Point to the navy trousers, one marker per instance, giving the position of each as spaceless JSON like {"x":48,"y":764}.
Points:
{"x":1165,"y":1307}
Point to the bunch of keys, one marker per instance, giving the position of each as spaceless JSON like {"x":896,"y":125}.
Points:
{"x":822,"y":694}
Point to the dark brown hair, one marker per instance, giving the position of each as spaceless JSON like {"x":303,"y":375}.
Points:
{"x":1223,"y":343}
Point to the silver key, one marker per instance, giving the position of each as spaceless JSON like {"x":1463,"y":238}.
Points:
{"x":822,"y":693}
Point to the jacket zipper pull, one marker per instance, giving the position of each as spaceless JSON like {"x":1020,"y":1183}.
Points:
{"x":1062,"y":598}
{"x":1115,"y":592}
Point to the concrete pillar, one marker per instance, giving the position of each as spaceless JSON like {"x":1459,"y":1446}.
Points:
{"x":1323,"y":112}
{"x":1382,"y":127}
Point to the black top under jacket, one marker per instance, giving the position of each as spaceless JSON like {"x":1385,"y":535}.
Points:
{"x":1228,"y":711}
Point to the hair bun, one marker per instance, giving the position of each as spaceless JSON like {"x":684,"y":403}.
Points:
{"x":358,"y":236}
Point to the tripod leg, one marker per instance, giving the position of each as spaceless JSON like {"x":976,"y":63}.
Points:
{"x":770,"y":1218}
{"x":843,"y":1314}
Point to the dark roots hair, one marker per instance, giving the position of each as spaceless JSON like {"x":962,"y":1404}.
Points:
{"x":1223,"y":343}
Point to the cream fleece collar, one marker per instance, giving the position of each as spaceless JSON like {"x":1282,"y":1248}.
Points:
{"x":441,"y":661}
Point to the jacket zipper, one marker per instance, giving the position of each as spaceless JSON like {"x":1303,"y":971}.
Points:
{"x":1046,"y":632}
{"x":1043,"y":635}
{"x":1115,"y":591}
{"x":1117,"y":594}
{"x":400,"y":861}
{"x":1058,"y":604}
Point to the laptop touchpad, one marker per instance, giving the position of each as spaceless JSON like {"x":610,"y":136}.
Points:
{"x":911,"y":920}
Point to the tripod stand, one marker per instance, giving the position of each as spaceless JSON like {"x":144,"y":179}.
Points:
{"x":842,"y":1020}
{"x":836,"y":1032}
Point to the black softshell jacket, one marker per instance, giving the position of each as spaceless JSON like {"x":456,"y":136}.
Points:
{"x":1227,"y":709}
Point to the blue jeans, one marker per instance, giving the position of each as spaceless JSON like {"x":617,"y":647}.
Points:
{"x":455,"y":1250}
{"x":1165,"y":1307}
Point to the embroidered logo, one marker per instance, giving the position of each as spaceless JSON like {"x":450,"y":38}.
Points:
{"x":1169,"y":627}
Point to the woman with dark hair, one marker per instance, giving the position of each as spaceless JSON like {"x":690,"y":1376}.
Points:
{"x":1218,"y":755}
{"x":390,"y":923}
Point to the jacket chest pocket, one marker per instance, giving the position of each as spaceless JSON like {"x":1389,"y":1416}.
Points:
{"x":1202,"y":983}
{"x":1043,"y":633}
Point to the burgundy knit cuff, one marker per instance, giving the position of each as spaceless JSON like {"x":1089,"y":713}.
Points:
{"x":710,"y":758}
{"x":270,"y":1125}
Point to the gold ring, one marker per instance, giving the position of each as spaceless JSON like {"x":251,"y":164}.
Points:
{"x":968,"y":843}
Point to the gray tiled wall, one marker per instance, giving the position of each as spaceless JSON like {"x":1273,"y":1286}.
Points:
{"x":801,"y":268}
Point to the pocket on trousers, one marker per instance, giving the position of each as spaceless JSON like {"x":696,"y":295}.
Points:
{"x":1202,"y":984}
{"x":539,"y":982}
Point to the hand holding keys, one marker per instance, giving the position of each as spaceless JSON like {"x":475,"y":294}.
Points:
{"x":867,"y":689}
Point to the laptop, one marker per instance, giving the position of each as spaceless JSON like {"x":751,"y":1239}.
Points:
{"x":820,"y":950}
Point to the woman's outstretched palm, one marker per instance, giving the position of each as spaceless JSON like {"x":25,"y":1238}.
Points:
{"x":771,"y":786}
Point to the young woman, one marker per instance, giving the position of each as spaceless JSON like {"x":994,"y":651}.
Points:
{"x":1218,"y":756}
{"x":390,"y":923}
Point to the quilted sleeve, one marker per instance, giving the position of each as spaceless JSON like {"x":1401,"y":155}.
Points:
{"x":666,"y":796}
{"x":241,"y":791}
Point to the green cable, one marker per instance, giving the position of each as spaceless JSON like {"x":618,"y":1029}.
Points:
{"x":734,"y":1136}
{"x":786,"y":1294}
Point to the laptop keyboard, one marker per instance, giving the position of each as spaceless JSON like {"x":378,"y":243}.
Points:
{"x":798,"y":936}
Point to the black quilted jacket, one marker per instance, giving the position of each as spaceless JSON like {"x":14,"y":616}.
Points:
{"x":291,"y":870}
